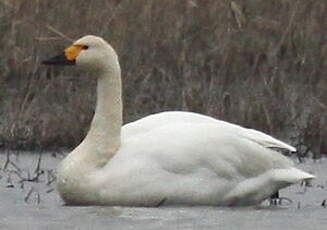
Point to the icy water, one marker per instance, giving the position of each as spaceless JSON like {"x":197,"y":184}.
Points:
{"x":28,"y":201}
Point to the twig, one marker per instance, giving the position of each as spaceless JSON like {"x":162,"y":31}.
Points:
{"x":28,"y":195}
{"x":9,"y":182}
{"x":35,"y":178}
{"x":52,"y":29}
{"x":320,"y":103}
{"x":48,"y":38}
{"x":18,"y":174}
{"x":7,"y":160}
{"x":37,"y":172}
{"x":51,"y":178}
{"x":15,"y":166}
{"x":38,"y":164}
{"x":161,"y":202}
{"x":113,"y":14}
{"x":49,"y":190}
{"x":38,"y":197}
{"x":287,"y":29}
{"x":238,"y":14}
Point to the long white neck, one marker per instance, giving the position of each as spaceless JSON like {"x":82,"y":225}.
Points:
{"x":103,"y":139}
{"x":104,"y":134}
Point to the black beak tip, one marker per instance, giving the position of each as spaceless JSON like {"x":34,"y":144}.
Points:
{"x":58,"y":60}
{"x":45,"y":62}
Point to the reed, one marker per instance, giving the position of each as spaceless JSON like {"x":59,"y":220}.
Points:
{"x":260,"y":63}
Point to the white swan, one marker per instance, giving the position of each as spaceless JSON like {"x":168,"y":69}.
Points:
{"x":168,"y":158}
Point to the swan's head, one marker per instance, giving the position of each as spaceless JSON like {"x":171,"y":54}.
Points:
{"x":90,"y":52}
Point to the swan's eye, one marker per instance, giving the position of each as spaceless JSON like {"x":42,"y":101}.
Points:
{"x":85,"y":47}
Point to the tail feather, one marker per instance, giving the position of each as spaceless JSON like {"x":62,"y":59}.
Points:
{"x":266,"y":140}
{"x":291,"y":175}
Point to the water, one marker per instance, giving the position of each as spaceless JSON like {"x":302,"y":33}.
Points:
{"x":42,"y":208}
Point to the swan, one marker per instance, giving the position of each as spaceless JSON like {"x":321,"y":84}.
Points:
{"x":170,"y":158}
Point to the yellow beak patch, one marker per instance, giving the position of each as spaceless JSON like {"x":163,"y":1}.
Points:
{"x":73,"y":51}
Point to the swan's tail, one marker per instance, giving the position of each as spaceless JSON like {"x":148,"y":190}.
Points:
{"x":266,"y":140}
{"x":291,"y":175}
{"x":257,"y":189}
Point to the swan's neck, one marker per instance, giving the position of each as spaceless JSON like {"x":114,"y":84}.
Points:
{"x":103,"y":138}
{"x":101,"y":142}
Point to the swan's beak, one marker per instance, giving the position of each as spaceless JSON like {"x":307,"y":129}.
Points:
{"x":60,"y":59}
{"x":68,"y":57}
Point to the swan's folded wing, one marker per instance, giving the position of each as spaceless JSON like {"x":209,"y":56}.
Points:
{"x":265,"y":140}
{"x":159,"y":120}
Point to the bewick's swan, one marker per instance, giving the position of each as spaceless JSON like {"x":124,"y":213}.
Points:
{"x":167,"y":158}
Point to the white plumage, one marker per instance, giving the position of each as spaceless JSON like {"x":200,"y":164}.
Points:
{"x":174,"y":117}
{"x":166,"y":158}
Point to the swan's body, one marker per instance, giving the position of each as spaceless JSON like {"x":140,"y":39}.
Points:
{"x":168,"y":158}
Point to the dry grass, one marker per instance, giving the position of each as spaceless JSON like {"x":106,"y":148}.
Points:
{"x":259,"y":63}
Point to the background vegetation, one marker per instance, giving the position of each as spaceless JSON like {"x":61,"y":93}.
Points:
{"x":258,"y":63}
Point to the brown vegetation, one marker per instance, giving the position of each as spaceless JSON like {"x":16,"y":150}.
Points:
{"x":259,"y":63}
